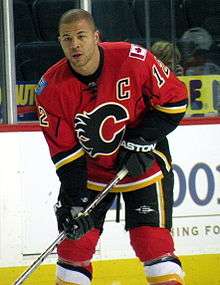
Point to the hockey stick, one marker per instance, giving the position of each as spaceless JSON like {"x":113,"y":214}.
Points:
{"x":119,"y":176}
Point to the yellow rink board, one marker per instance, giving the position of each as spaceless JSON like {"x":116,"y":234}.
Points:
{"x":200,"y":270}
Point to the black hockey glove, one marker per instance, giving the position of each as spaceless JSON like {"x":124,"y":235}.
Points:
{"x":136,"y":155}
{"x":74,"y":225}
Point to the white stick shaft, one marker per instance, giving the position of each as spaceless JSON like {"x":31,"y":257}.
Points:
{"x":39,"y":260}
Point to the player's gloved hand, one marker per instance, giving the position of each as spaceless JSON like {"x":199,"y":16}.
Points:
{"x":136,"y":155}
{"x":70,"y":221}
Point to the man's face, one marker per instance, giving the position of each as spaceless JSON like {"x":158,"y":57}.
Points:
{"x":79,"y":43}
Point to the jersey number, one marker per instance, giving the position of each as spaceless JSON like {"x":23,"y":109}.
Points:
{"x":43,"y":117}
{"x":157,"y":74}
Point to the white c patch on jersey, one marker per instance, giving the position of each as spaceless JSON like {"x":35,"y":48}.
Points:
{"x":137,"y":52}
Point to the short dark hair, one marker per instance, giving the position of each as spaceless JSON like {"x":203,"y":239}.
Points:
{"x":75,"y":15}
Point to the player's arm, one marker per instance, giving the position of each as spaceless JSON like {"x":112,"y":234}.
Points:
{"x":70,"y":162}
{"x":166,"y":103}
{"x":167,"y":99}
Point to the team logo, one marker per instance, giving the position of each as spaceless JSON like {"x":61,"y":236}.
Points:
{"x":101,"y":130}
{"x":41,"y":85}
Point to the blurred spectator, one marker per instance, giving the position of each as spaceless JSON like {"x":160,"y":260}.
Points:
{"x":196,"y":44}
{"x":169,"y":54}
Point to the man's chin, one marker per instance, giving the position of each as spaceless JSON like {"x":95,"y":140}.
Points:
{"x":76,"y":63}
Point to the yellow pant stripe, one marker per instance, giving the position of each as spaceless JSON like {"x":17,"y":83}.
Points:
{"x":61,"y":282}
{"x":165,"y":278}
{"x":161,"y":208}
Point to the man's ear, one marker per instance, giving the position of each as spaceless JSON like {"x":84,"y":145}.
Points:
{"x":97,"y":36}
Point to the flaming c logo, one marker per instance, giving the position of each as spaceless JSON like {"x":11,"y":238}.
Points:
{"x":101,"y":130}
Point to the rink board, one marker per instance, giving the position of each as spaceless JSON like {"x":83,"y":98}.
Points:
{"x":200,"y":270}
{"x":29,"y":188}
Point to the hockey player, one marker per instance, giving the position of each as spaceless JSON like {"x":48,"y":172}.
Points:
{"x":102,"y":107}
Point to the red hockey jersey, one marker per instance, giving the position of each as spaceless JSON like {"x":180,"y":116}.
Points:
{"x":89,"y":115}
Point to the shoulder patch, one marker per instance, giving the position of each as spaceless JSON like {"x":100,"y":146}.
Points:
{"x":40,"y":87}
{"x":137,"y":52}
